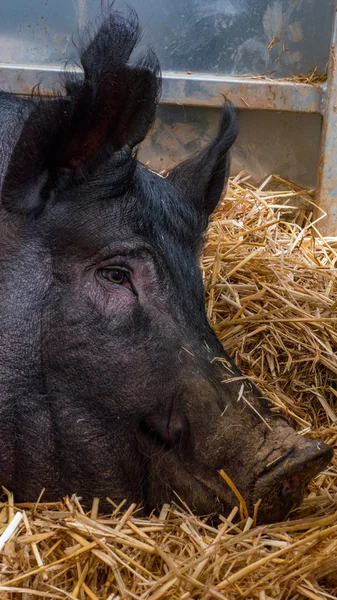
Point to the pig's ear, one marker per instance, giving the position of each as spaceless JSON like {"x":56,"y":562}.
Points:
{"x":201,"y":178}
{"x":27,"y":182}
{"x":116,"y":103}
{"x":110,"y":109}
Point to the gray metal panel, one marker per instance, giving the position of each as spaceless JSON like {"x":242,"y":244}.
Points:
{"x":262,"y":94}
{"x":327,"y":174}
{"x":37,"y":31}
{"x":189,"y":90}
{"x":279,"y":143}
{"x":201,"y":44}
{"x":231,"y":37}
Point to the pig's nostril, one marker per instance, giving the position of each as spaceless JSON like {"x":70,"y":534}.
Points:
{"x":290,"y":486}
{"x":282,"y":484}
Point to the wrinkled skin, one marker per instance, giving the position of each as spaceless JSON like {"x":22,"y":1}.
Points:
{"x":108,"y":380}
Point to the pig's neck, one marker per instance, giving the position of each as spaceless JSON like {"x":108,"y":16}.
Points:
{"x":26,"y":433}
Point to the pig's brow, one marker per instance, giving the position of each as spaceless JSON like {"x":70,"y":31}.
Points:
{"x":133,"y":252}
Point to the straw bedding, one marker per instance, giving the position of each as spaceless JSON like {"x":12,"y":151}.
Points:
{"x":272,"y":299}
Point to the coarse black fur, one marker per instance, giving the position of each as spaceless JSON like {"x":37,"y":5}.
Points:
{"x":110,"y":110}
{"x":108,"y":380}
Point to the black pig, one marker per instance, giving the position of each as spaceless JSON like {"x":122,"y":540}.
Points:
{"x":108,"y":383}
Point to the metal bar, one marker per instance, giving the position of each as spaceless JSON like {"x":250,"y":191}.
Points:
{"x":190,"y":89}
{"x":326,"y":190}
{"x":245,"y":92}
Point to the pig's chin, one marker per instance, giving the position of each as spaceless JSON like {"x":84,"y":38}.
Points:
{"x":204,"y":495}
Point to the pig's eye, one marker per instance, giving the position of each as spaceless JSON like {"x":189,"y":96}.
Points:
{"x":116,"y":275}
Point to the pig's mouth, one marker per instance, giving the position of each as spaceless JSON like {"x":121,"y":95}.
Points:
{"x":282,"y":484}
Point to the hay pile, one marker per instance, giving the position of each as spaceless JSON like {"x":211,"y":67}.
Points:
{"x":272,"y":299}
{"x":313,"y":76}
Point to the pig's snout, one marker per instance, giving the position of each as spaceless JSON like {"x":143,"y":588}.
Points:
{"x":282,"y":485}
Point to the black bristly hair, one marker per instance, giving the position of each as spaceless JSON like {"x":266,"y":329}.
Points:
{"x":116,"y":103}
{"x":110,"y":110}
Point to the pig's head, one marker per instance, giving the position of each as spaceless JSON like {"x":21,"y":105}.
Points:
{"x":112,"y":383}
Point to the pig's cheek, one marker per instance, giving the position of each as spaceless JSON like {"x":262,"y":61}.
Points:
{"x":113,"y":300}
